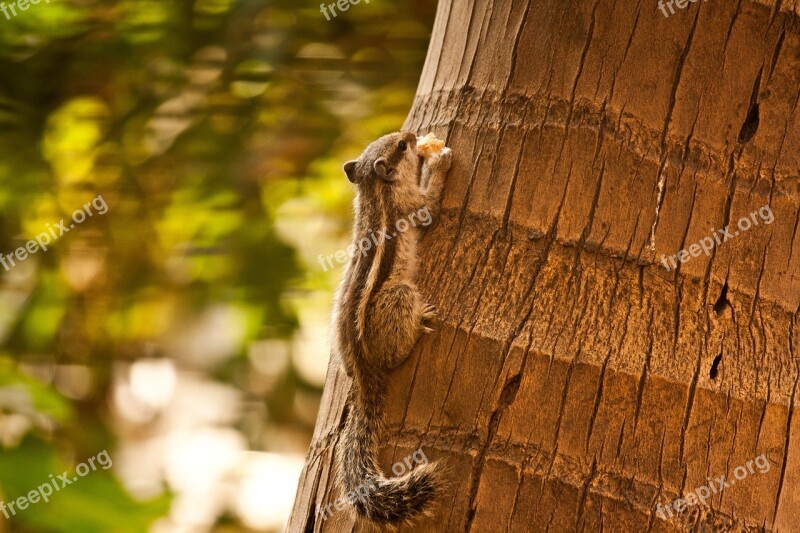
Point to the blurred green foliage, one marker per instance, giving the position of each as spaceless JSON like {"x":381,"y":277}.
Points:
{"x":96,"y":503}
{"x":215,"y":131}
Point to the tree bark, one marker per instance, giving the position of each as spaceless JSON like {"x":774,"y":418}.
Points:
{"x":574,"y":382}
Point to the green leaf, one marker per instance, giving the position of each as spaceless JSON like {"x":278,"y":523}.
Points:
{"x":22,"y":394}
{"x":94,"y":503}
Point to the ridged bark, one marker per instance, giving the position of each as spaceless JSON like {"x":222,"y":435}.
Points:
{"x":573,"y":381}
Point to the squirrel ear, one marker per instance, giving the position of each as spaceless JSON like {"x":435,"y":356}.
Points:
{"x":350,"y":170}
{"x":383,"y":170}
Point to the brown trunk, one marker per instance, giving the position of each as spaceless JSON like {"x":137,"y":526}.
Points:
{"x":573,"y":382}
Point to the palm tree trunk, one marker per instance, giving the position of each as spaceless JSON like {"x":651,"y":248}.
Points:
{"x":581,"y":375}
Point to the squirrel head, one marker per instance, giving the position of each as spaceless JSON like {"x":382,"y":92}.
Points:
{"x":392,"y":158}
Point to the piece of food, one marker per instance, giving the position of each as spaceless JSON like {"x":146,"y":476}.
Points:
{"x":429,"y":145}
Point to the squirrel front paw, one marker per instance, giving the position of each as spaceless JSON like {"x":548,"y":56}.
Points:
{"x":440,"y":162}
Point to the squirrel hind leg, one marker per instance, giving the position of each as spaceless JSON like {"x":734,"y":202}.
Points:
{"x":394,"y":324}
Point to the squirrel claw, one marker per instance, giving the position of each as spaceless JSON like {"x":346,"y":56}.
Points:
{"x":429,"y":311}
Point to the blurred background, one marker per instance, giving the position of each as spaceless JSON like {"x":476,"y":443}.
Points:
{"x":185,"y":329}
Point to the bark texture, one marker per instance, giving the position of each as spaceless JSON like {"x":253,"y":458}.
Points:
{"x":573,"y":382}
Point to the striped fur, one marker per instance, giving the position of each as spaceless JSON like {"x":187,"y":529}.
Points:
{"x":381,"y":261}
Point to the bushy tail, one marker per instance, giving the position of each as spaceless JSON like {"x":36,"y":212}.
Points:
{"x":374,"y":496}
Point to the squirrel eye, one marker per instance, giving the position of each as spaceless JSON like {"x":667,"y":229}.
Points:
{"x":402,"y":145}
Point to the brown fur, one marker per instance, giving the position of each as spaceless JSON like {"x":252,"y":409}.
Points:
{"x":379,"y":315}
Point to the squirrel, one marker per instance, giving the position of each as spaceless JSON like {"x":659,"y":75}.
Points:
{"x":379,"y":315}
